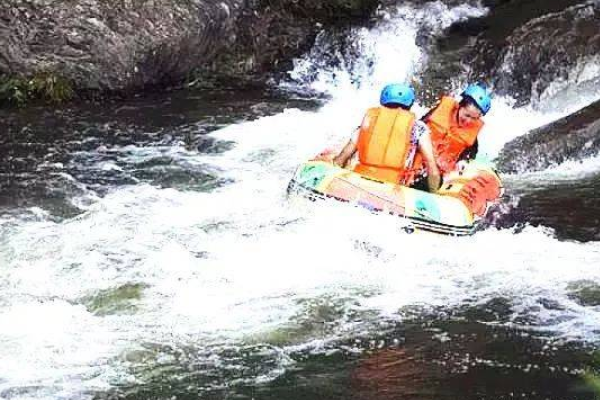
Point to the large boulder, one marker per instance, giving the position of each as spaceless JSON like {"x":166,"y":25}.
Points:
{"x":118,"y":45}
{"x":524,"y":62}
{"x":548,"y":49}
{"x":101,"y":46}
{"x":572,"y":138}
{"x":520,"y":46}
{"x":271,"y":33}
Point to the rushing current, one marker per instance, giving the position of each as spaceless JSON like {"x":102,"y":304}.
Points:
{"x":148,"y":250}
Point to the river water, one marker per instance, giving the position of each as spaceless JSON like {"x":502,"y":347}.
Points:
{"x":148,"y":250}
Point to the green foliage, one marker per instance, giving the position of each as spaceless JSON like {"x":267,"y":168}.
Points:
{"x":12,"y":90}
{"x":45,"y":86}
{"x":50,"y":87}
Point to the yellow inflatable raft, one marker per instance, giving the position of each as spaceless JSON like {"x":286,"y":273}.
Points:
{"x":455,"y":209}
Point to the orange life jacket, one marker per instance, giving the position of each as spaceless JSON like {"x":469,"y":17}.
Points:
{"x":448,"y":139}
{"x":384,"y":143}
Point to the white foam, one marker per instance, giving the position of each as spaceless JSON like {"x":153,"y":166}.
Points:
{"x":580,"y":88}
{"x":53,"y":343}
{"x":390,"y":53}
{"x":242,"y":262}
{"x":386,"y":53}
{"x":570,"y":170}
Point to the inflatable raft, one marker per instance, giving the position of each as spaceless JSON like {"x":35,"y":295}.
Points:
{"x":455,"y":209}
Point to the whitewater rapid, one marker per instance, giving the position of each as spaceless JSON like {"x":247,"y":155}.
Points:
{"x":86,"y":300}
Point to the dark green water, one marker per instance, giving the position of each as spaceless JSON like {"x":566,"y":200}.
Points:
{"x":457,"y":356}
{"x":490,"y":350}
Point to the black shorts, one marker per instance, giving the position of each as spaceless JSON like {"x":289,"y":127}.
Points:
{"x":420,"y":183}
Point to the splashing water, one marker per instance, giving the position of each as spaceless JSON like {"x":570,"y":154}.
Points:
{"x":354,"y":68}
{"x":146,"y":274}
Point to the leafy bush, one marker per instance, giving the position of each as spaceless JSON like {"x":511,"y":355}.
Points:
{"x":45,"y":86}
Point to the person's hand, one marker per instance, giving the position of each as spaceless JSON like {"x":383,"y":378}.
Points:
{"x":326,"y":155}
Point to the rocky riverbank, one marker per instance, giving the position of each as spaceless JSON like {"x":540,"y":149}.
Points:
{"x":520,"y":47}
{"x":56,"y":49}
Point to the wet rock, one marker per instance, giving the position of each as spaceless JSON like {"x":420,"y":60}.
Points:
{"x":572,"y":138}
{"x":116,"y":45}
{"x":273,"y":32}
{"x":473,"y":47}
{"x":547,"y":49}
{"x":520,"y":46}
{"x":524,"y":57}
{"x":100,"y":46}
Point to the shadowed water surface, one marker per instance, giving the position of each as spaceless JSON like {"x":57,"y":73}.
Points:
{"x":50,"y":155}
{"x":571,"y":207}
{"x":453,"y":354}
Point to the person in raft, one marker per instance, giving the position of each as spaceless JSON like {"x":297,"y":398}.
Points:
{"x":389,"y":139}
{"x":453,"y":127}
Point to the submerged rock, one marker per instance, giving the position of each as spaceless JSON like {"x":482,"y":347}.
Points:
{"x":585,"y":292}
{"x":119,"y":300}
{"x":572,"y":138}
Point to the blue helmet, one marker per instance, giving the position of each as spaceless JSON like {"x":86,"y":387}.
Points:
{"x":397,"y":93}
{"x":478,"y":93}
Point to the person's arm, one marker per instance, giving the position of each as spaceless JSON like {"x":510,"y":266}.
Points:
{"x":346,"y":154}
{"x":434,"y":179}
